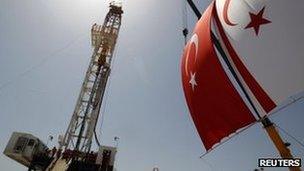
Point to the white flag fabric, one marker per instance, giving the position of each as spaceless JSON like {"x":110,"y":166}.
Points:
{"x":268,"y":38}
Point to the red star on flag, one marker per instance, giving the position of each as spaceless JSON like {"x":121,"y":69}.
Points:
{"x":257,"y":20}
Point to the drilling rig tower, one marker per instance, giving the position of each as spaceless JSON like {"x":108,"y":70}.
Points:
{"x":75,"y":152}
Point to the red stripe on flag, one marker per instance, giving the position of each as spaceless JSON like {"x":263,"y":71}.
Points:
{"x":266,"y":102}
{"x":215,"y":105}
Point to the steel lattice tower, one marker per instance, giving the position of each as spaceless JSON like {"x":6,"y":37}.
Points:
{"x":83,"y":122}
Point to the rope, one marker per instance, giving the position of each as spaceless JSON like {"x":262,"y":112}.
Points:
{"x":227,"y":139}
{"x":43,"y":61}
{"x":106,"y":96}
{"x":185,"y":20}
{"x":292,"y":100}
{"x":291,"y":136}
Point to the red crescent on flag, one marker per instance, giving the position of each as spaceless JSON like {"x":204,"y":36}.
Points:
{"x":194,"y":41}
{"x":225,"y":13}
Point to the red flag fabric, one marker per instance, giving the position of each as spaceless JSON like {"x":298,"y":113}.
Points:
{"x":215,"y":105}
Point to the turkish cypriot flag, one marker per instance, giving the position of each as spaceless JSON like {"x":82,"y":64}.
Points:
{"x":264,"y":40}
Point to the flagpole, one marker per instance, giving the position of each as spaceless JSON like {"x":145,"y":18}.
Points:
{"x":278,"y":141}
{"x":266,"y":122}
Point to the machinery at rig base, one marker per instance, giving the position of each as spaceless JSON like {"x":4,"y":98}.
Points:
{"x":24,"y":148}
{"x":106,"y":156}
{"x":74,"y":152}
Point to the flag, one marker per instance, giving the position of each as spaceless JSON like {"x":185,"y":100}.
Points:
{"x":264,"y":42}
{"x":243,"y":60}
{"x":215,"y":105}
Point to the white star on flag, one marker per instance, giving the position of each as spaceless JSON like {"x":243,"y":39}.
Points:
{"x":192,"y":80}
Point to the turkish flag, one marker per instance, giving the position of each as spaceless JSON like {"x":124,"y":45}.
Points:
{"x":215,"y":105}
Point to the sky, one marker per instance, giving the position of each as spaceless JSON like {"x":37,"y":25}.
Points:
{"x":44,"y":53}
